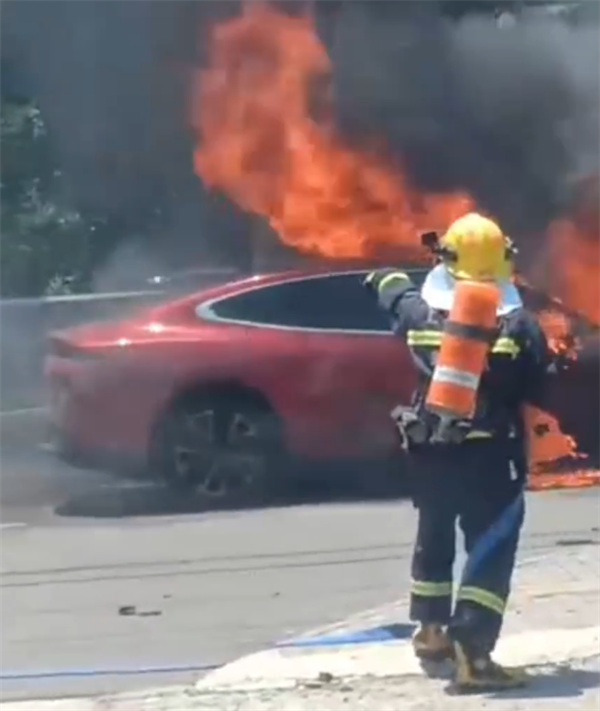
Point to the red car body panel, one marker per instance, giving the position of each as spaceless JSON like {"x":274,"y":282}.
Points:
{"x":109,"y":383}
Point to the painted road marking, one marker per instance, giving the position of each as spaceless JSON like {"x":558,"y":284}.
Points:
{"x":40,"y":674}
{"x":386,"y":633}
{"x":14,"y":524}
{"x":23,"y":411}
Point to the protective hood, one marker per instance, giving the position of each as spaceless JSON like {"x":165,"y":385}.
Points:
{"x":438,"y":292}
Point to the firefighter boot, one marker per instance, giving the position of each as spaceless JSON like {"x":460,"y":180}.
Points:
{"x":479,"y":673}
{"x":432,"y":644}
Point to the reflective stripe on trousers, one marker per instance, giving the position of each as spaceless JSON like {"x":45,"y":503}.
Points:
{"x":482,"y":597}
{"x":423,"y":588}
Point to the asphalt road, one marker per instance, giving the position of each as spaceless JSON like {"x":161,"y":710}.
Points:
{"x":92,"y":590}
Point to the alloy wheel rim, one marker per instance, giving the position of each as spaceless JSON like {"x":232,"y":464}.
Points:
{"x":217,"y":469}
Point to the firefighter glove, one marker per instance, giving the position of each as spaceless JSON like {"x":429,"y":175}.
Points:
{"x":380,"y":277}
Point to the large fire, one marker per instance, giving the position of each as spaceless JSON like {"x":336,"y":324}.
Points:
{"x":576,"y":261}
{"x":261,"y":145}
{"x":264,"y":117}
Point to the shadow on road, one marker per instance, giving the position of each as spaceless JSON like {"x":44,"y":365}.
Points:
{"x":36,"y":480}
{"x":331,"y":484}
{"x":561,"y":682}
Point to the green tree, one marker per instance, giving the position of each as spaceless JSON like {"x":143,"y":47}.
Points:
{"x":44,"y":242}
{"x":566,"y":8}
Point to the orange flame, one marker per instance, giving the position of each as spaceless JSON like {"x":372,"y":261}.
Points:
{"x":268,"y":74}
{"x":575,"y":269}
{"x":558,"y":330}
{"x":574,"y":257}
{"x":261,"y":145}
{"x":576,"y":260}
{"x":547,"y":445}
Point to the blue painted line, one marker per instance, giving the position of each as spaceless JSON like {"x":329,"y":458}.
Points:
{"x":388,"y":633}
{"x":86,"y":673}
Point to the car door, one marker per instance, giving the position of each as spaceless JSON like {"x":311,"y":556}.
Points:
{"x":360,"y":371}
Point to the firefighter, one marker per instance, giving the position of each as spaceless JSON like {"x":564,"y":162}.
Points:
{"x":474,"y":472}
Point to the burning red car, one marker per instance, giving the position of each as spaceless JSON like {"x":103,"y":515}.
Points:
{"x":210,"y":390}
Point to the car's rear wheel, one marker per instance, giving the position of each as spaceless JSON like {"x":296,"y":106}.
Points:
{"x":220,"y":447}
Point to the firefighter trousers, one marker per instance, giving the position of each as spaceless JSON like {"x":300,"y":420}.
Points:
{"x":477,"y":486}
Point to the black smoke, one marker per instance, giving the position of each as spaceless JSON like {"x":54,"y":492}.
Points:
{"x":506,"y":108}
{"x":112,"y":80}
{"x":509,"y":115}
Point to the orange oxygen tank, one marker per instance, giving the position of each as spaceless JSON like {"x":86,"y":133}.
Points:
{"x":468,"y":334}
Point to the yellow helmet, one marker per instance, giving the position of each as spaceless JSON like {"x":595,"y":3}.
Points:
{"x":475,"y":247}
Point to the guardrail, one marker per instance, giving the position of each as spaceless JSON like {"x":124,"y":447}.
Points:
{"x":24,"y":324}
{"x":24,"y":429}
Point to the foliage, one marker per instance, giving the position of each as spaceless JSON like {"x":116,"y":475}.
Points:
{"x":565,"y":8}
{"x":44,"y":241}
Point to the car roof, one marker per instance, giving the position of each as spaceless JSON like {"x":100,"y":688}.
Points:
{"x":281,"y":277}
{"x":249,"y":283}
{"x":238,"y":286}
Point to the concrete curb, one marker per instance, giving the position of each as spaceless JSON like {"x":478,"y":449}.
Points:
{"x":297,"y":684}
{"x":287,"y":668}
{"x":25,"y":428}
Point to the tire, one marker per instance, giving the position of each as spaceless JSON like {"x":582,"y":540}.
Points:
{"x":222,"y":448}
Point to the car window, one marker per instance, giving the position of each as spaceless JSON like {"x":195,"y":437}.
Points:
{"x":331,"y":302}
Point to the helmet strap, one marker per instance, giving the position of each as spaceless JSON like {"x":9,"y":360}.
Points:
{"x":448,"y":255}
